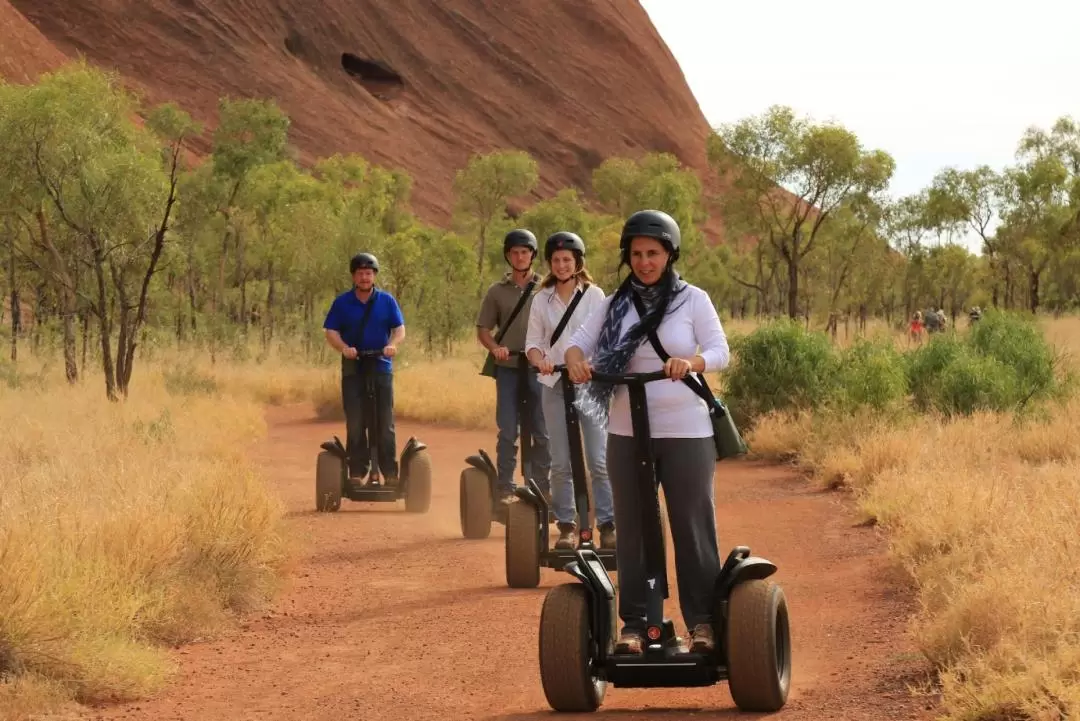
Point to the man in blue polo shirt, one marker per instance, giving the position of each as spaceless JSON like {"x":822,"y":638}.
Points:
{"x":365,"y":318}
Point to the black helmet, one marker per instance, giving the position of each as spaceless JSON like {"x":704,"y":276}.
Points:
{"x":520,"y":237}
{"x":363,"y":260}
{"x":563,"y":240}
{"x":652,"y":224}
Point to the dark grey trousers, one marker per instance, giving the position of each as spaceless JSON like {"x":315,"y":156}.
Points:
{"x":684,"y":468}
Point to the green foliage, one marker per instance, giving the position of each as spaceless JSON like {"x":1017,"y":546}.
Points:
{"x":1017,"y":342}
{"x":781,"y":366}
{"x":872,"y":375}
{"x":954,"y":379}
{"x":1003,"y":364}
{"x":482,"y":190}
{"x":821,"y":166}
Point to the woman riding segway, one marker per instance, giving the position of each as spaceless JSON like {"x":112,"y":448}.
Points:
{"x":656,"y":320}
{"x":567,"y":296}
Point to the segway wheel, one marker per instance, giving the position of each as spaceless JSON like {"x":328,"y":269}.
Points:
{"x":758,"y":646}
{"x":568,"y":651}
{"x":522,"y":546}
{"x":418,"y":492}
{"x":329,"y":474}
{"x":475,"y":503}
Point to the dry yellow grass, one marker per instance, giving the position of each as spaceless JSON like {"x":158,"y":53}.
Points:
{"x":124,"y":527}
{"x":985,"y":515}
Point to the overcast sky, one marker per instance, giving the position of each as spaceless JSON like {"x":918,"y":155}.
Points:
{"x":933,"y":82}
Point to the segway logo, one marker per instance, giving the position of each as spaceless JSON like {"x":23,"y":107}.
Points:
{"x":652,"y":583}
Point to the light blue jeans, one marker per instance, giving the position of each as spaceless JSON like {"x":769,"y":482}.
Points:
{"x":594,"y":439}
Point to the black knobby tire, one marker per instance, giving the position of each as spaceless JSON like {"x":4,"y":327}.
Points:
{"x":758,"y":646}
{"x":566,"y":651}
{"x":418,"y":492}
{"x":522,"y":546}
{"x":329,"y":472}
{"x":475,"y":500}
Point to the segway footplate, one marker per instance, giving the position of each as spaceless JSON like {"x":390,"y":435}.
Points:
{"x":557,"y":558}
{"x":376,"y":494}
{"x":671,"y":669}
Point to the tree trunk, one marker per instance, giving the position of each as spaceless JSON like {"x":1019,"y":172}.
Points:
{"x":268,"y":323}
{"x":104,"y":315}
{"x":16,"y":307}
{"x":84,"y":317}
{"x":125,"y":340}
{"x":793,"y":286}
{"x":67,"y":300}
{"x":1033,"y":289}
{"x":481,"y":251}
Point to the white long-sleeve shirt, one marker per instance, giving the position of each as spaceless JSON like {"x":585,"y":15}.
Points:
{"x":544,"y":315}
{"x":675,"y":411}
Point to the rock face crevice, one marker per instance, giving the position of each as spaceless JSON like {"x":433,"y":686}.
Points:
{"x":570,"y":82}
{"x":376,"y":77}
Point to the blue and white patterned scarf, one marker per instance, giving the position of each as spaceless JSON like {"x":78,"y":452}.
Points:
{"x":613,"y":354}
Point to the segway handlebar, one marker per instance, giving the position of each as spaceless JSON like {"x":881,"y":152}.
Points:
{"x":620,"y":378}
{"x":369,"y":353}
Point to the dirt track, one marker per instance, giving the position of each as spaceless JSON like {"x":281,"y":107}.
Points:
{"x":393,"y":616}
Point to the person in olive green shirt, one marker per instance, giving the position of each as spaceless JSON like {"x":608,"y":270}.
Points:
{"x":519,"y":251}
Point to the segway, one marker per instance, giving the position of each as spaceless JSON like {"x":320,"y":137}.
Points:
{"x":577,"y":622}
{"x":527,"y":539}
{"x":479,"y":481}
{"x":332,"y":466}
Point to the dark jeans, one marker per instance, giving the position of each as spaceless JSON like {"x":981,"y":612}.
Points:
{"x":370,"y":431}
{"x":506,"y":418}
{"x":684,"y":469}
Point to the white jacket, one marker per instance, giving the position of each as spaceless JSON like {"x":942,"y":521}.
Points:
{"x":675,"y":411}
{"x":544,"y":315}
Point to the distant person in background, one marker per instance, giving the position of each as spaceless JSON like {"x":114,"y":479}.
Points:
{"x":365,"y":318}
{"x":915,"y":330}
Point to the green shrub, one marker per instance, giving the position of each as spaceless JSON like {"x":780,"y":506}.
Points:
{"x":1003,"y":364}
{"x":780,"y":366}
{"x":1016,"y":341}
{"x":973,"y":382}
{"x":872,"y":373}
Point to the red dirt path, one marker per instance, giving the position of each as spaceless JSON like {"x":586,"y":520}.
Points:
{"x":393,"y":616}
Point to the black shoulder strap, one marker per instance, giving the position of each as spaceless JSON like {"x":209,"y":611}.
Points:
{"x":568,"y":313}
{"x":701,"y":388}
{"x":514,"y":313}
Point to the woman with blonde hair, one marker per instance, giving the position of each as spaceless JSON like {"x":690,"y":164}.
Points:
{"x":567,"y":297}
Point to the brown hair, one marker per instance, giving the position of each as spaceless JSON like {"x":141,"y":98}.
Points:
{"x":580,"y":271}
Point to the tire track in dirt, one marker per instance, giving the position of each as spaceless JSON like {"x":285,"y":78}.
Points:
{"x":393,"y":616}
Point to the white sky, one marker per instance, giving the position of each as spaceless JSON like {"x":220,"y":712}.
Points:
{"x":933,"y":82}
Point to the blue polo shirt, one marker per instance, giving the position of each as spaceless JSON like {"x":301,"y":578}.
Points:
{"x":347,"y":310}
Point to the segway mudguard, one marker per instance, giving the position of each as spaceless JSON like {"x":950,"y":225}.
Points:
{"x":483,"y":462}
{"x":411,"y":448}
{"x":741,"y":566}
{"x":530,"y":493}
{"x":588,"y":568}
{"x":336,"y":447}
